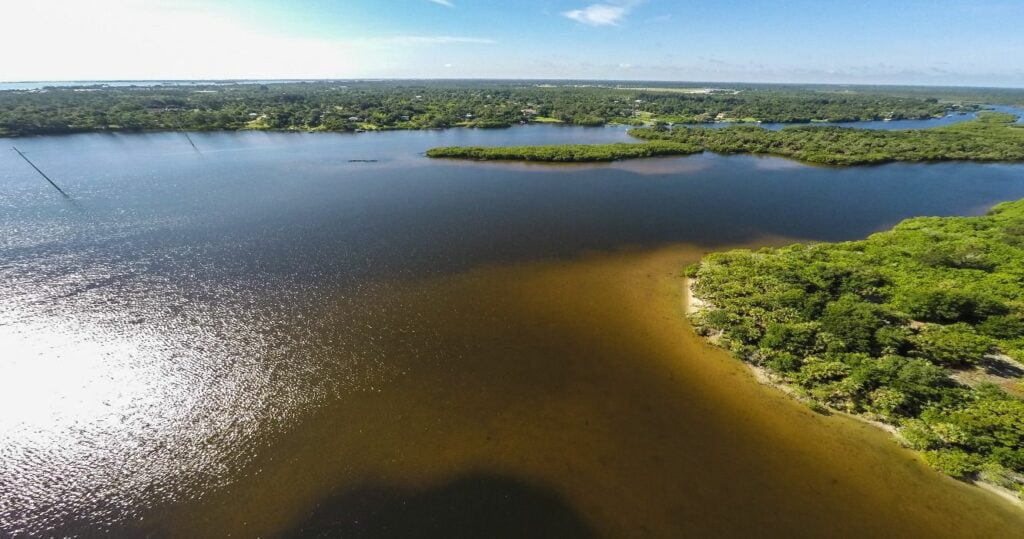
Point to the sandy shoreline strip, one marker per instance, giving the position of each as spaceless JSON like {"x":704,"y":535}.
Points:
{"x":694,"y":305}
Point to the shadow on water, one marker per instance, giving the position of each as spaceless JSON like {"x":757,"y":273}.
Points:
{"x":473,"y":505}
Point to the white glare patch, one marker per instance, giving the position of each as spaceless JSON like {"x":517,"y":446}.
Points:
{"x":66,"y":378}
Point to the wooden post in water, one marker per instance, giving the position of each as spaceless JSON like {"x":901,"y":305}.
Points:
{"x":41,"y":173}
{"x":190,"y":141}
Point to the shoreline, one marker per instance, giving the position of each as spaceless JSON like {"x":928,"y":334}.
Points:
{"x":381,"y":128}
{"x":693,"y":305}
{"x":378,"y":128}
{"x":989,"y":137}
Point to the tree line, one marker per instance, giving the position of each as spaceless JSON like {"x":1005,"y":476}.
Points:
{"x":358,"y":105}
{"x":991,"y":137}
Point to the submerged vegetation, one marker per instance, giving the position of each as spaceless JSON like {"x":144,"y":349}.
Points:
{"x":366,"y":105}
{"x":993,"y":136}
{"x":921,"y":327}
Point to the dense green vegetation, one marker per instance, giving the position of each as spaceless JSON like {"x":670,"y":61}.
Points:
{"x":991,"y":137}
{"x":567,"y":153}
{"x":355,"y":105}
{"x":906,"y":327}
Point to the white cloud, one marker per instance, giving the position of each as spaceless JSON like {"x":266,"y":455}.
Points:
{"x":113,"y":39}
{"x":445,"y":3}
{"x":434,"y":40}
{"x":127,"y":39}
{"x":610,"y":13}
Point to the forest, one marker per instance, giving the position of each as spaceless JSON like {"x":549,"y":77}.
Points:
{"x":992,"y":136}
{"x":920,"y":327}
{"x":567,"y":153}
{"x":372,"y":105}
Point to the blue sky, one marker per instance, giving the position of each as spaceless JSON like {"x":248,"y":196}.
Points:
{"x":895,"y":41}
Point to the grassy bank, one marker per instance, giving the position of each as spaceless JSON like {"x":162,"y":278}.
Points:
{"x":991,"y":137}
{"x":920,"y":327}
{"x":567,"y":153}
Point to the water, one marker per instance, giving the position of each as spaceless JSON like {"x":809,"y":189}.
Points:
{"x":893,"y":125}
{"x":1010,"y":110}
{"x":267,"y":338}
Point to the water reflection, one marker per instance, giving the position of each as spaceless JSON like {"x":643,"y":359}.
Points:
{"x":106,"y":418}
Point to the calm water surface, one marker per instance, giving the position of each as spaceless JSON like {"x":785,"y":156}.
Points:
{"x":266,"y":338}
{"x":893,"y":125}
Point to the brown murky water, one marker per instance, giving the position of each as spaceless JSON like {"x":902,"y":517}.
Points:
{"x":431,"y":349}
{"x":573,"y":393}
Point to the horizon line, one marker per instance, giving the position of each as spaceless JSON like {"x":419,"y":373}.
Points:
{"x":584,"y":79}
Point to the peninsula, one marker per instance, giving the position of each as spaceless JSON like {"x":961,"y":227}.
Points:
{"x":992,"y":136}
{"x":920,"y":328}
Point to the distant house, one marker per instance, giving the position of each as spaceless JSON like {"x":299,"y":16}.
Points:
{"x":404,"y":117}
{"x":354,"y":119}
{"x":529,"y":112}
{"x":469,"y":116}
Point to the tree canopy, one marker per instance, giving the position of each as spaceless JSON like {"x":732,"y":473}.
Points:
{"x":885,"y":326}
{"x":992,"y":136}
{"x":355,"y":105}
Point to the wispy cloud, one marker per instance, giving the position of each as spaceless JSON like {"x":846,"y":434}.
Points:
{"x":445,"y":3}
{"x":609,"y":13}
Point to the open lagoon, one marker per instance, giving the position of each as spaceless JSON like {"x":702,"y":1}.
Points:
{"x":290,"y":334}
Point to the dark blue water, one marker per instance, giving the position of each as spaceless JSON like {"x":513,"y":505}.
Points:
{"x":893,"y":125}
{"x":246,"y":193}
{"x":262,"y":190}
